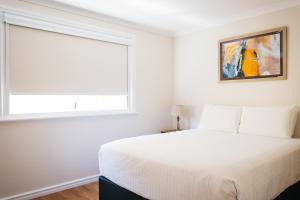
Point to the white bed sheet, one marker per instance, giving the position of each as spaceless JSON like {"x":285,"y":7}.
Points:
{"x":202,"y":165}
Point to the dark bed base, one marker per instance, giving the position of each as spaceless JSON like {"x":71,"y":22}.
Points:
{"x":111,"y":191}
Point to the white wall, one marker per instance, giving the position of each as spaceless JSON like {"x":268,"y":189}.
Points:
{"x":196,"y":67}
{"x":41,"y":153}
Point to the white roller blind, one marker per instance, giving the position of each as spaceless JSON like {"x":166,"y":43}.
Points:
{"x":43,"y":62}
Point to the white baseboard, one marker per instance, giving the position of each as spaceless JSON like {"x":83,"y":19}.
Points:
{"x":52,"y":189}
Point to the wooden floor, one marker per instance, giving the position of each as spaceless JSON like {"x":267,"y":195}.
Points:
{"x":85,"y":192}
{"x":91,"y":192}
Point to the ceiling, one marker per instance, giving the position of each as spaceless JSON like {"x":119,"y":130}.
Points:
{"x":180,"y":16}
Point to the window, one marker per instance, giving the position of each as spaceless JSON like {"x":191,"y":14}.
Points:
{"x":26,"y":104}
{"x":57,"y":69}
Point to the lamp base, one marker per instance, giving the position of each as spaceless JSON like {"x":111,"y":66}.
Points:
{"x":178,"y":123}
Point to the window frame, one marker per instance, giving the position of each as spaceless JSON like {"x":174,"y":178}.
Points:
{"x":57,"y":25}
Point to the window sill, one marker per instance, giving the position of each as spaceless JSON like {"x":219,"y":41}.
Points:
{"x":22,"y":117}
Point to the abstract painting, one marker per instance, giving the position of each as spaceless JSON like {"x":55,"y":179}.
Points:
{"x":253,"y":56}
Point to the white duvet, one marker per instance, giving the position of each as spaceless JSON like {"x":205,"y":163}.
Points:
{"x":202,"y":165}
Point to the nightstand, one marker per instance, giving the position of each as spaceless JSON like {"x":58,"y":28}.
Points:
{"x":168,"y":131}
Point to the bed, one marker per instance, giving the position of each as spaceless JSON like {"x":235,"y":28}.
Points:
{"x":214,"y":165}
{"x":200,"y":164}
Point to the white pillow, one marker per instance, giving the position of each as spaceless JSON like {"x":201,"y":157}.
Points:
{"x":277,"y":121}
{"x":220,"y":118}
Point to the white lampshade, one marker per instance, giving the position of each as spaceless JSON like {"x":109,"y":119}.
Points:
{"x":177,"y":110}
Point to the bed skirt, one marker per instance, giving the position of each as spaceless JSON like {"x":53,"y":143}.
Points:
{"x":111,"y":191}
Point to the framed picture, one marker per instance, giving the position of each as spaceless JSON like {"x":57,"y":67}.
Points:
{"x":254,"y":56}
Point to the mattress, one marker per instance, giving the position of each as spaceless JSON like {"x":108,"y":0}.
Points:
{"x":202,"y":165}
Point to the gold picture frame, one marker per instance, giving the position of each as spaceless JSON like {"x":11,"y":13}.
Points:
{"x":255,"y":56}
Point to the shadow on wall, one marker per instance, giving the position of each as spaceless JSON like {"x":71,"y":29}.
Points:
{"x":297,"y":128}
{"x":192,"y":115}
